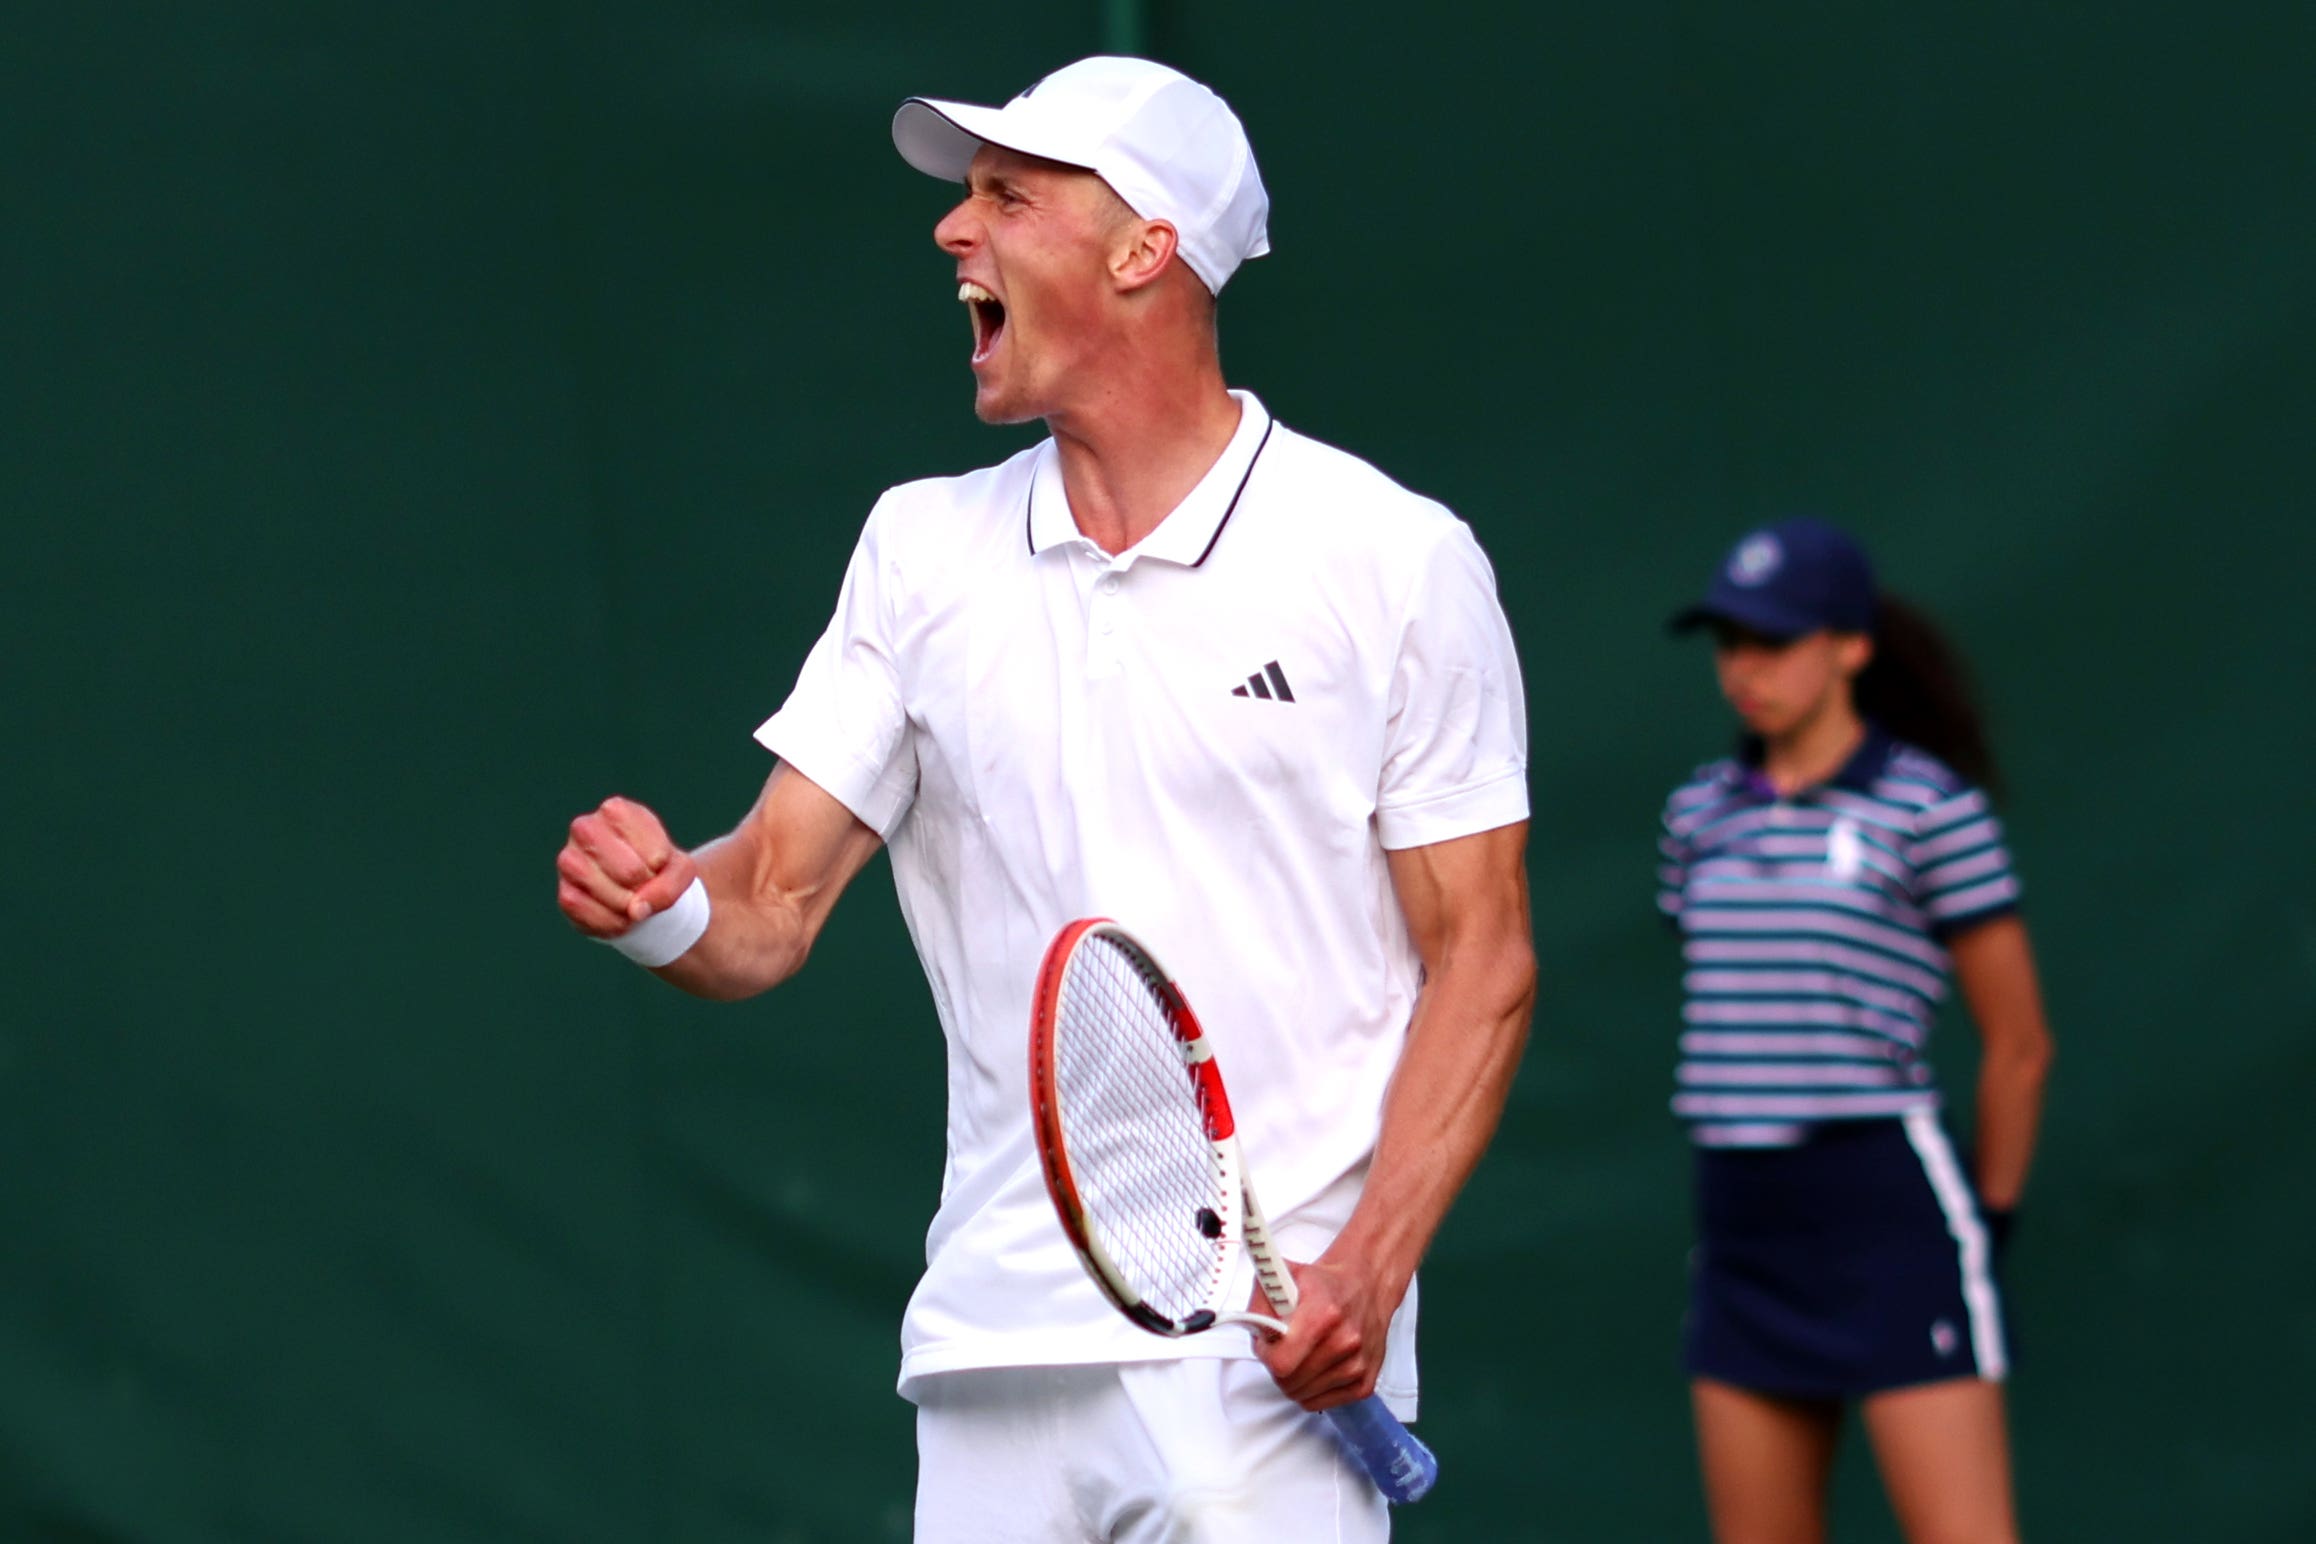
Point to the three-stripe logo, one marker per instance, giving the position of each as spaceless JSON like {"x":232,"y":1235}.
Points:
{"x":1268,"y":683}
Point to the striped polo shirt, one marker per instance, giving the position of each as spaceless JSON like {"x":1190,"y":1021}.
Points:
{"x":1813,"y":930}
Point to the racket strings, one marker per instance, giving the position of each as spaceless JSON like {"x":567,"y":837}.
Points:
{"x":1136,"y":1136}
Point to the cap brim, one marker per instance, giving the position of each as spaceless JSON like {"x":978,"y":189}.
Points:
{"x":940,"y":138}
{"x":934,"y":137}
{"x":1767,"y":620}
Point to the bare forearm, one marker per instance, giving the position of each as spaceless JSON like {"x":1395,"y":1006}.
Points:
{"x":2010,"y":1108}
{"x":1463,"y":1049}
{"x":757,"y":937}
{"x":1996,"y":966}
{"x":771,"y":883}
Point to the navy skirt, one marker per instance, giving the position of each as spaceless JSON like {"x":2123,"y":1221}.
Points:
{"x":1855,"y":1262}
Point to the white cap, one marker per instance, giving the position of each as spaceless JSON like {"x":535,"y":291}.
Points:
{"x":1172,"y":149}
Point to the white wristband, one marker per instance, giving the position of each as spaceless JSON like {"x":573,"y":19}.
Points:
{"x":659,"y":938}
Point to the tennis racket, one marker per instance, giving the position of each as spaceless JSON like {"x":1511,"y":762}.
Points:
{"x":1142,"y":1160}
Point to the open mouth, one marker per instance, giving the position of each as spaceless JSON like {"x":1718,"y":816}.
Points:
{"x":988,"y":313}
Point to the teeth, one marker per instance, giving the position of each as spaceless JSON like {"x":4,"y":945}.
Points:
{"x":971,"y":291}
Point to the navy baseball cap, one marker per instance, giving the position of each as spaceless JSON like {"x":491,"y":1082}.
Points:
{"x":1788,"y":579}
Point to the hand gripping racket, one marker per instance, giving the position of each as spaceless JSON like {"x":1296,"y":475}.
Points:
{"x":1142,"y":1160}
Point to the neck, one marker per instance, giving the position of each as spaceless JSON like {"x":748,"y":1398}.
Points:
{"x":1134,"y":448}
{"x":1813,"y":750}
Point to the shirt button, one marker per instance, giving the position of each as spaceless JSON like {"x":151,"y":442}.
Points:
{"x":1109,"y":584}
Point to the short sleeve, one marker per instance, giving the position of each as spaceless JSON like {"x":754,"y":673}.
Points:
{"x":1962,"y":870}
{"x":845,"y":725}
{"x":1456,"y":744}
{"x":1672,"y":868}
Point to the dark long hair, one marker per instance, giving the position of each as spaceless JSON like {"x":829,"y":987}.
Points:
{"x":1919,"y":689}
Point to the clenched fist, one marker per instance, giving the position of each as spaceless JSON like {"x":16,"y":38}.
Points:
{"x":619,"y":868}
{"x":1333,"y":1349}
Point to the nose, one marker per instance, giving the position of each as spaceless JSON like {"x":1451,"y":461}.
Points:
{"x":958,"y":230}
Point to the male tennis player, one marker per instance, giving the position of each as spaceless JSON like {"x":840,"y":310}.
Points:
{"x":1182,"y":666}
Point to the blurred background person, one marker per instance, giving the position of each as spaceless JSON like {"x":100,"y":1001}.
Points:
{"x":1831,"y":879}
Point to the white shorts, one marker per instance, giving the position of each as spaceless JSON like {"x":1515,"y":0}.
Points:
{"x":1199,"y":1451}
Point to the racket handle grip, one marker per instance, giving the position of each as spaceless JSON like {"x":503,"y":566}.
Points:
{"x":1394,"y":1457}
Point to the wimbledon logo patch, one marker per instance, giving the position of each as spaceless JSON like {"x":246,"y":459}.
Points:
{"x":1756,"y":558}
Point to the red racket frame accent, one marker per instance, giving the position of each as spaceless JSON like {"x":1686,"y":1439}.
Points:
{"x":1045,"y":1102}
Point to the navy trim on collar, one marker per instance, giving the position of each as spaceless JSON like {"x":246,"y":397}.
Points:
{"x":1252,"y":462}
{"x":1262,"y":443}
{"x":1858,"y":774}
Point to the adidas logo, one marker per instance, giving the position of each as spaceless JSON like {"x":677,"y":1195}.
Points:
{"x":1268,"y":683}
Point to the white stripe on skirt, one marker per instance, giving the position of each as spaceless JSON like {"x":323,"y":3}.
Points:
{"x":1969,"y":1230}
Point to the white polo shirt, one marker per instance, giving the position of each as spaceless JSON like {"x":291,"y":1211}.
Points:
{"x":1213,"y":738}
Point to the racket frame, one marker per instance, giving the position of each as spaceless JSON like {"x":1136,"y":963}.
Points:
{"x":1045,"y":1102}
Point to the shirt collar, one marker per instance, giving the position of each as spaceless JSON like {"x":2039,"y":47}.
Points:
{"x":1865,"y":765}
{"x":1192,"y":527}
{"x":1856,"y":776}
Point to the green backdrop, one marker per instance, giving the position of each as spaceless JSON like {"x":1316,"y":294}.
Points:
{"x":417,"y":422}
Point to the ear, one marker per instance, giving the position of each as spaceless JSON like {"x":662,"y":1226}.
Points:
{"x":1853,"y":652}
{"x":1143,"y":249}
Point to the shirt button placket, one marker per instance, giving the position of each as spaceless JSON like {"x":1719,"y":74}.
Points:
{"x":1102,"y":627}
